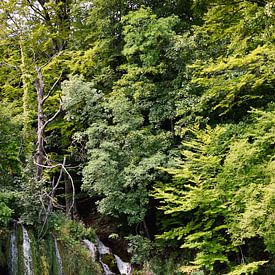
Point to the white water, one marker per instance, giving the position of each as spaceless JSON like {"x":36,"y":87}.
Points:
{"x":92,"y":248}
{"x":102,"y":249}
{"x":27,"y":253}
{"x":58,"y":257}
{"x":13,"y":257}
{"x":106,"y":268}
{"x":123,"y":267}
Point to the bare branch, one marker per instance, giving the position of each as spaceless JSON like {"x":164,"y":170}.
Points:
{"x":39,"y":83}
{"x":59,"y":178}
{"x":51,"y":195}
{"x":50,"y":59}
{"x":54,"y":116}
{"x":37,"y":10}
{"x":8,"y":65}
{"x":52,"y":88}
{"x":47,"y":166}
{"x":73,"y":188}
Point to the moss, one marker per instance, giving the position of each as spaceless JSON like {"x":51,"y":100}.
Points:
{"x":110,"y":260}
{"x":20,"y":250}
{"x":49,"y":251}
{"x":34,"y":251}
{"x":43,"y":255}
{"x":77,"y":260}
{"x":44,"y":258}
{"x":4,"y":244}
{"x":75,"y":257}
{"x":44,"y":265}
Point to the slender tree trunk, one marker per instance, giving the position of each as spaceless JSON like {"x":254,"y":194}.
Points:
{"x":68,"y":197}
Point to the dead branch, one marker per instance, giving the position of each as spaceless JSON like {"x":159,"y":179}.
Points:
{"x":73,"y":188}
{"x":51,"y":194}
{"x":54,"y":116}
{"x":55,"y":186}
{"x":37,"y":10}
{"x":52,"y":88}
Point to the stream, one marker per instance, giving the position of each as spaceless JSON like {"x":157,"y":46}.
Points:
{"x":13,"y":257}
{"x":22,"y":261}
{"x":27,"y":253}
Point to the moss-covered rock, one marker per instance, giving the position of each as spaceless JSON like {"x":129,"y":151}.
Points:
{"x":76,"y":258}
{"x":3,"y":252}
{"x":110,"y":260}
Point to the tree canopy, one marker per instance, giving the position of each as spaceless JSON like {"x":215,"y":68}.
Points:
{"x":155,"y":118}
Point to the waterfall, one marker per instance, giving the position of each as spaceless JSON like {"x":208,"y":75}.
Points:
{"x":123,"y":267}
{"x":106,"y":268}
{"x":13,"y":257}
{"x":58,"y":257}
{"x":27,"y":253}
{"x":102,"y":249}
{"x":92,"y":248}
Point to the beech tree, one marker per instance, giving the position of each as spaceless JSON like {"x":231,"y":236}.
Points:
{"x":224,"y":173}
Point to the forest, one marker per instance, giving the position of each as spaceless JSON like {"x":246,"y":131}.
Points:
{"x":137,"y":137}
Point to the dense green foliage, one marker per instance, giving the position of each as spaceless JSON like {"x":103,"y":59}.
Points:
{"x":224,"y":189}
{"x":155,"y":115}
{"x":128,"y":140}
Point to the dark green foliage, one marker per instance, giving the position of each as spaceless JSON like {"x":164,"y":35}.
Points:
{"x":10,"y":167}
{"x":6,"y":207}
{"x":3,"y":251}
{"x":9,"y":147}
{"x":141,"y":249}
{"x":130,"y":131}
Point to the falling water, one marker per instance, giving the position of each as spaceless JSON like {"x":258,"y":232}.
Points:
{"x":123,"y":267}
{"x":102,"y":250}
{"x":58,"y":257}
{"x":106,"y":268}
{"x":27,"y":253}
{"x":13,"y":257}
{"x":92,"y":248}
